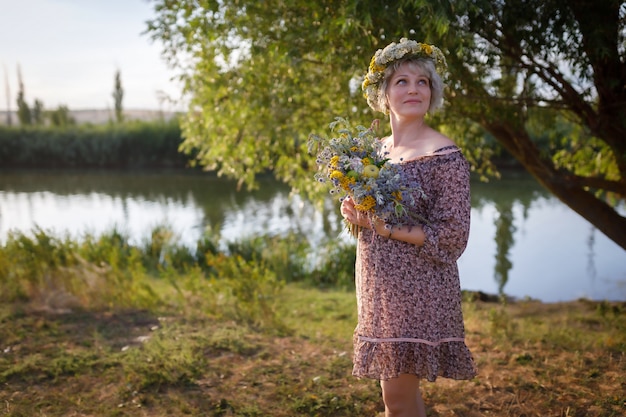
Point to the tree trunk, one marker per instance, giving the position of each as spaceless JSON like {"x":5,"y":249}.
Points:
{"x":594,"y":210}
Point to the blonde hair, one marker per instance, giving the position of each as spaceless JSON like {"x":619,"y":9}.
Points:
{"x":379,"y":102}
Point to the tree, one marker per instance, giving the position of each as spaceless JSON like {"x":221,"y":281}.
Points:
{"x":118,"y":96}
{"x":23,"y":110}
{"x":61,"y":117}
{"x":37,"y":113}
{"x":7,"y":91}
{"x":522,"y":67}
{"x":545,"y":78}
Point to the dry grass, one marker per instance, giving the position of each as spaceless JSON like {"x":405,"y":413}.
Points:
{"x":565,"y":359}
{"x":534,"y":359}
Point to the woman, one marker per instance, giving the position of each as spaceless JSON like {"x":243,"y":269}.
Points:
{"x":410,"y":323}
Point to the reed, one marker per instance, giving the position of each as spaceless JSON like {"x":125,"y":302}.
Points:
{"x":57,"y":272}
{"x":130,"y":145}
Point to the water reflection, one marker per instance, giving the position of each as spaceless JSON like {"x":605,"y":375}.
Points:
{"x":591,"y":264}
{"x":504,"y":242}
{"x":516,"y":191}
{"x":522,"y":242}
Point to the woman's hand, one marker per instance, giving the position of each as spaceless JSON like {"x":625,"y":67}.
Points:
{"x":361,"y":219}
{"x":354,"y":216}
{"x":413,"y":234}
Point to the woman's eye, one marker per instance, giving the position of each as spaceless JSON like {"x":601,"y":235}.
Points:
{"x":423,"y":82}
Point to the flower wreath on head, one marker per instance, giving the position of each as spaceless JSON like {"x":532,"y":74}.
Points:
{"x":393,"y":52}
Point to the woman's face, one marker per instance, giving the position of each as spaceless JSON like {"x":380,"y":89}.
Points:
{"x":408,"y":91}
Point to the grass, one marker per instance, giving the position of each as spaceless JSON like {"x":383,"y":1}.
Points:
{"x":231,"y":339}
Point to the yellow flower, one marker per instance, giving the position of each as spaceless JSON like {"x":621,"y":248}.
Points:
{"x":345,"y":183}
{"x":374,"y":67}
{"x":367,"y":204}
{"x":334,"y":161}
{"x":336,"y":175}
{"x":427,"y":48}
{"x":397,"y":195}
{"x":366,"y":161}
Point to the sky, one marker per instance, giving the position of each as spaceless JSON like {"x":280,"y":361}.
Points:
{"x":68,"y":52}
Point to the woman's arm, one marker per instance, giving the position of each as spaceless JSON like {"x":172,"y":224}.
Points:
{"x":409,"y":234}
{"x":447,"y":231}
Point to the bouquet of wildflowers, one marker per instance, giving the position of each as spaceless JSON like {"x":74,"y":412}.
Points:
{"x":354,"y":164}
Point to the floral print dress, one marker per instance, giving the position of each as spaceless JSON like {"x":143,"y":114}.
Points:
{"x":408,"y":297}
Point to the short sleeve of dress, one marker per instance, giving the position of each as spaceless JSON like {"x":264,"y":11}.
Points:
{"x":447,"y":231}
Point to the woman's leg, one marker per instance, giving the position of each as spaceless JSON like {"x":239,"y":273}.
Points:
{"x":402,"y":397}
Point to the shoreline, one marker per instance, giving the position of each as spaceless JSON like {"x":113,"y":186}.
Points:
{"x":101,"y":116}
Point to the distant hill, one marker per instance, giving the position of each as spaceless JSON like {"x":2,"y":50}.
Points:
{"x":101,"y":116}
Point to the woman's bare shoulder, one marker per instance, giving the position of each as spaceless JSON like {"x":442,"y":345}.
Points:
{"x":439,"y":141}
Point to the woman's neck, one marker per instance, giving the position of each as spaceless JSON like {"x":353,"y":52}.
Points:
{"x":407,"y":131}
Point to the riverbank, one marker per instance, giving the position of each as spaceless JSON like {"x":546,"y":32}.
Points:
{"x":100,"y":116}
{"x":534,"y":359}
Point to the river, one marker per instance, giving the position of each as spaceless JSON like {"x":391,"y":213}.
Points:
{"x":523,"y":242}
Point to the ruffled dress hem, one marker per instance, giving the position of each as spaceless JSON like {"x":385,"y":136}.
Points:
{"x":447,"y":360}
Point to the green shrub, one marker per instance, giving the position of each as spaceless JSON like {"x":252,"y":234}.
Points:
{"x":54,"y":273}
{"x":128,"y":145}
{"x":240,"y":283}
{"x":248,"y":289}
{"x":286,"y":256}
{"x":335,"y":265}
{"x":35,"y":266}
